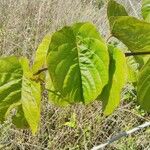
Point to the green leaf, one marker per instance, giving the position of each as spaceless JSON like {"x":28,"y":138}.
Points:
{"x":115,"y":9}
{"x":111,"y":94}
{"x":10,"y":84}
{"x":132,"y":74}
{"x":140,"y":61}
{"x":78,"y":62}
{"x":143,"y":87}
{"x":18,"y":88}
{"x":54,"y":96}
{"x":30,"y":97}
{"x":19,"y":119}
{"x":135,"y":34}
{"x":132,"y":69}
{"x":146,"y":10}
{"x":41,"y":53}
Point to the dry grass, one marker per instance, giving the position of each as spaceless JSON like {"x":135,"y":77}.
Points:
{"x":23,"y":23}
{"x":89,"y":128}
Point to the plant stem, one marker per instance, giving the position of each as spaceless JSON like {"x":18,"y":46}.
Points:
{"x":109,"y":38}
{"x":136,"y":53}
{"x":126,"y":54}
{"x":40,"y":71}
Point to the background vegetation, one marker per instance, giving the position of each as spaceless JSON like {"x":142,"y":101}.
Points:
{"x":23,"y":23}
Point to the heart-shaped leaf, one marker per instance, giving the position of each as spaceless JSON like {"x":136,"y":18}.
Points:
{"x":78,"y":62}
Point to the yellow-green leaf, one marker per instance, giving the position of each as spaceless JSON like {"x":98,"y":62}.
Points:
{"x":78,"y":62}
{"x":18,"y":88}
{"x":19,"y":119}
{"x":134,"y":33}
{"x":143,"y":87}
{"x":115,"y":9}
{"x":10,"y":84}
{"x":54,"y":96}
{"x":132,"y":69}
{"x":111,"y":94}
{"x":41,"y":53}
{"x":146,"y":10}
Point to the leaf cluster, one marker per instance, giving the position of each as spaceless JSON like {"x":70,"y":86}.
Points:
{"x":82,"y":67}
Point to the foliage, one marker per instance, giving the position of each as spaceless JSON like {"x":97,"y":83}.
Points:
{"x":115,"y":10}
{"x":78,"y":62}
{"x":146,"y":10}
{"x":117,"y":79}
{"x":143,"y":87}
{"x":134,"y":33}
{"x":18,"y":90}
{"x":82,"y":67}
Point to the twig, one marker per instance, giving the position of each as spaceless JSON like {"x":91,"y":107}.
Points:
{"x":40,"y":71}
{"x":107,"y":40}
{"x":136,"y":53}
{"x":126,"y":54}
{"x":122,"y":134}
